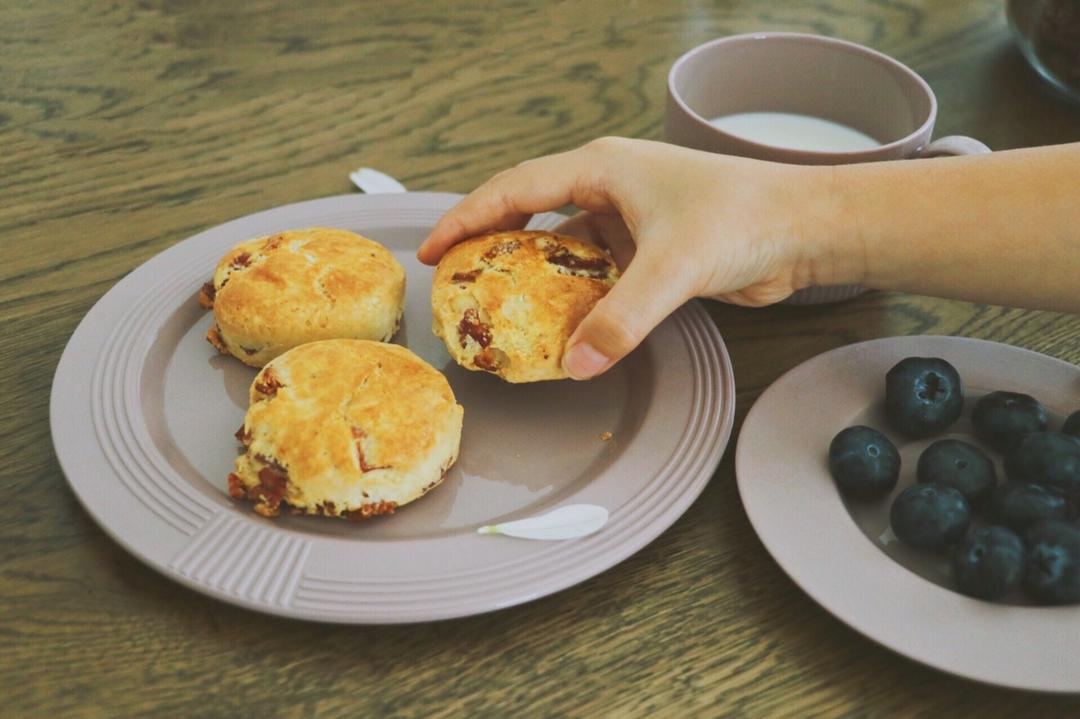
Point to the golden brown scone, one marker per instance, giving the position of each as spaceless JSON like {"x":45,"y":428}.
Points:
{"x":507,"y":302}
{"x":345,"y":428}
{"x":277,"y":292}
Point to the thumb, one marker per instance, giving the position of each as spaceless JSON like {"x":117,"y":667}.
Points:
{"x":650,"y":290}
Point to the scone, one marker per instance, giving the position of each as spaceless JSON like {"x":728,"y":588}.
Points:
{"x":345,"y":428}
{"x":275,"y":293}
{"x":507,"y":302}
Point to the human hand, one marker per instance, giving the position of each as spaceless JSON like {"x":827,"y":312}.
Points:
{"x":679,"y":223}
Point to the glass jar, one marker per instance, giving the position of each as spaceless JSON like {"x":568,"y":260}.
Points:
{"x":1048,"y":33}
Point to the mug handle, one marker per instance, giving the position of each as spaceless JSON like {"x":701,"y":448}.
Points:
{"x":953,"y":145}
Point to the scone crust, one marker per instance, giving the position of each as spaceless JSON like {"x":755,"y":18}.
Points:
{"x":345,"y":428}
{"x":277,"y":292}
{"x":507,"y":302}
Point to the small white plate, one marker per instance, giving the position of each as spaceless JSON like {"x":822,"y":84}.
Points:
{"x":836,"y":556}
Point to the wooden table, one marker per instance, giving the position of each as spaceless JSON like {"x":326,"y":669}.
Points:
{"x":127,"y":126}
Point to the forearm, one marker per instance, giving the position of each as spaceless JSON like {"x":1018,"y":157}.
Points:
{"x":1001,"y":228}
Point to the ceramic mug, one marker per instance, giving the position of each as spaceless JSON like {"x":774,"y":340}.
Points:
{"x":808,"y":75}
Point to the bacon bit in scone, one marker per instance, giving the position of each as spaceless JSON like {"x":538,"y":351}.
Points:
{"x":503,"y":248}
{"x":243,"y":436}
{"x":272,"y":243}
{"x":369,"y":510}
{"x":268,"y":383}
{"x":213,"y":336}
{"x":271,"y":490}
{"x":271,"y":463}
{"x":596,"y":267}
{"x":469,"y":276}
{"x":273,"y":482}
{"x":491,"y":359}
{"x":269,"y":493}
{"x":206,"y":295}
{"x":359,"y":436}
{"x":241,"y":260}
{"x":236,"y":487}
{"x":471,"y":326}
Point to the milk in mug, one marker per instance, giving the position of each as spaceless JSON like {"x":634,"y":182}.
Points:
{"x":795,"y":132}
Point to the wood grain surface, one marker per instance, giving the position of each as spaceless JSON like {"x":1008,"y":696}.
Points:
{"x":127,"y":126}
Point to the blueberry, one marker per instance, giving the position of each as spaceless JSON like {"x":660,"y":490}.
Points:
{"x":1072,"y":424}
{"x":864,"y":463}
{"x":1001,"y":419}
{"x":959,"y":465}
{"x":929,"y":516}
{"x":1048,"y":458}
{"x":989,"y":563}
{"x":923,"y":396}
{"x":1018,"y":504}
{"x":1053,"y":565}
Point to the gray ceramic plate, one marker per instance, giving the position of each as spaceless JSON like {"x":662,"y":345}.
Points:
{"x":143,"y":413}
{"x":843,"y":556}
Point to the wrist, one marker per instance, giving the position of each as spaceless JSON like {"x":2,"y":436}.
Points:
{"x":834,"y":246}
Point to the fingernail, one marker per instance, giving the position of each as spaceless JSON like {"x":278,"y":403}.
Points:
{"x":582,"y":361}
{"x":421,"y":251}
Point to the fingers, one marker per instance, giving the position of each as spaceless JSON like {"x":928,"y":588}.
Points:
{"x":607,"y":231}
{"x":650,"y":290}
{"x":506,"y":201}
